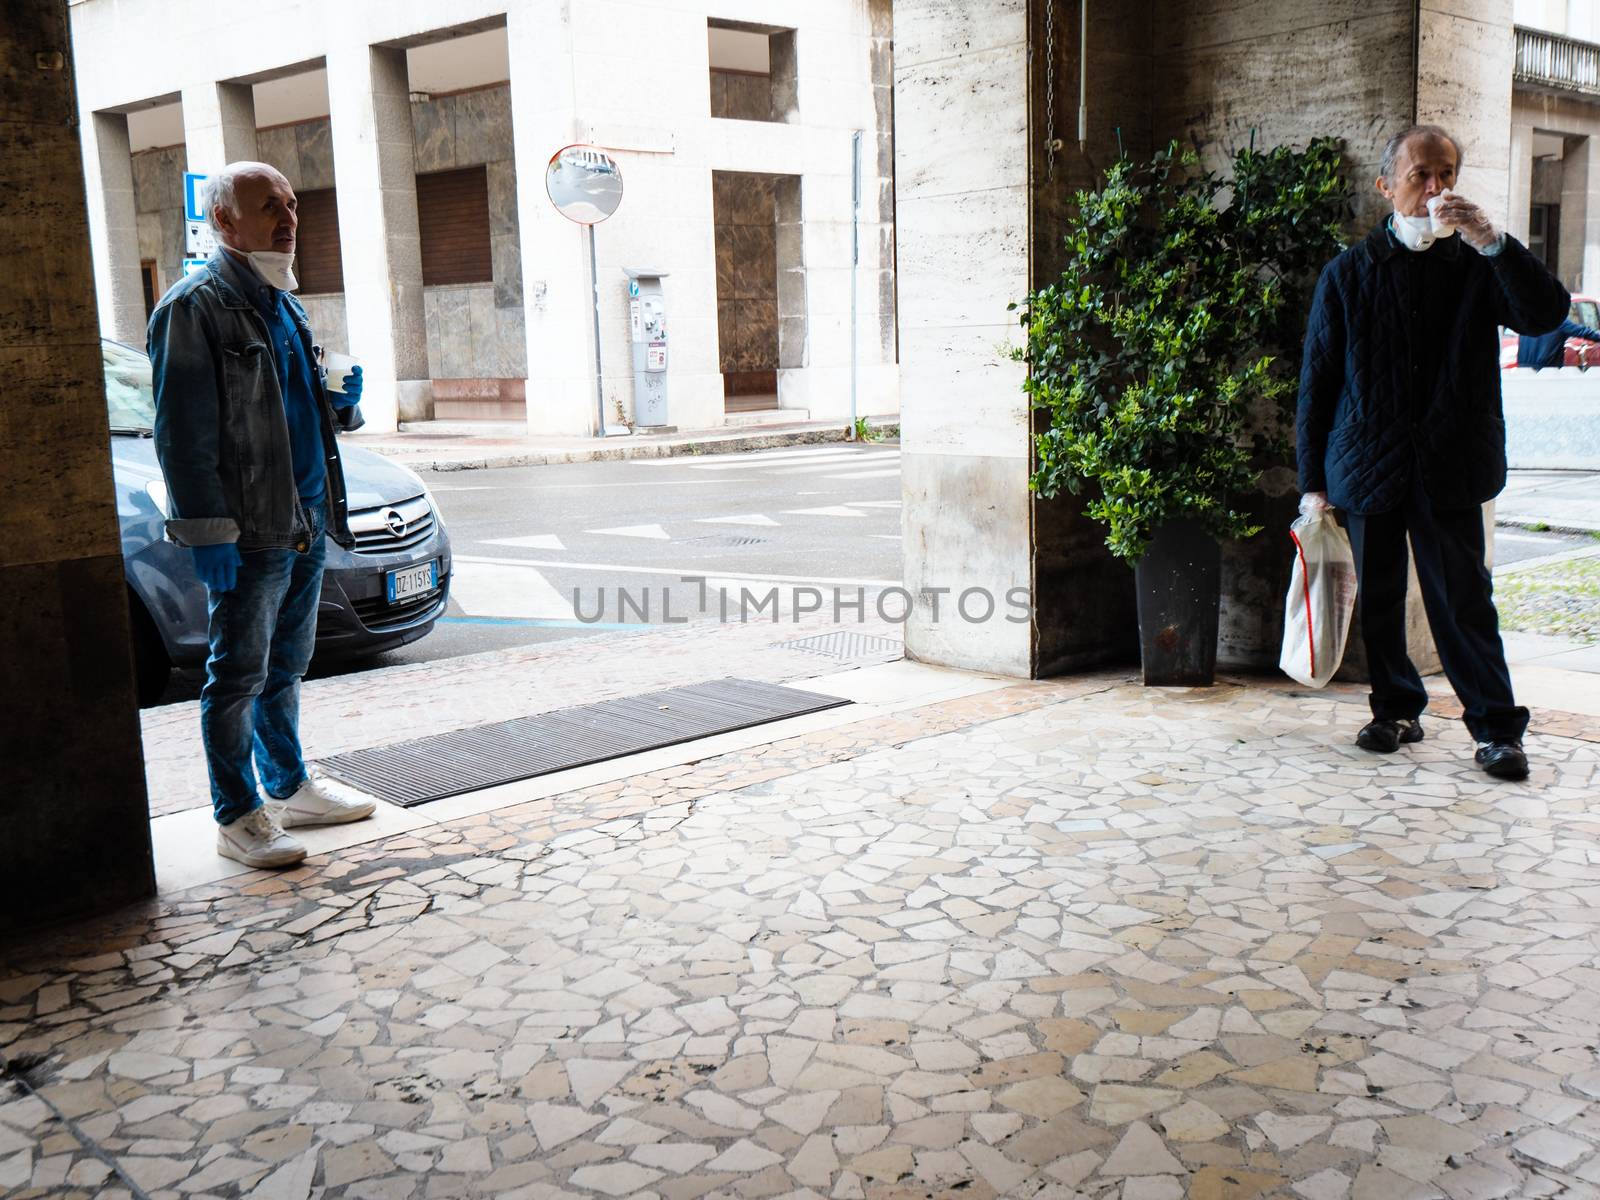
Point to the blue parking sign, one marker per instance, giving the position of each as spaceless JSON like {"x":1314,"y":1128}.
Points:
{"x":191,"y":196}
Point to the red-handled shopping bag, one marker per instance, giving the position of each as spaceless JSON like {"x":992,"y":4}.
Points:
{"x":1322,"y":597}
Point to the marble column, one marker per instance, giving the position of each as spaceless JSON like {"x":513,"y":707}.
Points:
{"x":559,"y":304}
{"x":962,"y":204}
{"x":1465,"y":57}
{"x":76,"y":828}
{"x":219,"y":125}
{"x":1580,"y":214}
{"x":374,"y":166}
{"x":1520,"y":206}
{"x":113,"y":226}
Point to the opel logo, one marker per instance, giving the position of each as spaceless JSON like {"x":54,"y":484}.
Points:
{"x":395,"y":522}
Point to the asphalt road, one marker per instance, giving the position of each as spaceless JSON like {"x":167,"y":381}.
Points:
{"x":585,"y":550}
{"x":593,"y":549}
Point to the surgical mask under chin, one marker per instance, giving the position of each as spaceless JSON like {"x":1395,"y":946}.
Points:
{"x":1414,"y":233}
{"x":276,"y":268}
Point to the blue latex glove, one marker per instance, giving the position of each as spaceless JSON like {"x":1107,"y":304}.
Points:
{"x":217,"y":565}
{"x":352,"y":391}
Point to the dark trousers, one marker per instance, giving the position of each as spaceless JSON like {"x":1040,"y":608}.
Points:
{"x":1458,"y":596}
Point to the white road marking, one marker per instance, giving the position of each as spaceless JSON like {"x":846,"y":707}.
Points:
{"x":863,"y":462}
{"x":874,"y":504}
{"x":506,"y":588}
{"x":680,"y":572}
{"x":536,"y":541}
{"x":637,"y":531}
{"x":832,"y":510}
{"x":892,"y":471}
{"x":746,"y":519}
{"x":727,"y":462}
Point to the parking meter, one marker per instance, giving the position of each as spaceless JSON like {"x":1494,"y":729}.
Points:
{"x":647,"y":325}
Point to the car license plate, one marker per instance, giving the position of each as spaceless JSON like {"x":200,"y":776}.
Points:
{"x":410,"y":582}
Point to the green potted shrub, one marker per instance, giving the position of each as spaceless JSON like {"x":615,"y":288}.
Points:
{"x":1167,"y":356}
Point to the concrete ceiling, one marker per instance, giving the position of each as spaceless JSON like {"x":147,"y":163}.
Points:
{"x":464,"y":62}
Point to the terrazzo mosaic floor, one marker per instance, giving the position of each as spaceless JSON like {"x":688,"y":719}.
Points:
{"x":1073,"y":939}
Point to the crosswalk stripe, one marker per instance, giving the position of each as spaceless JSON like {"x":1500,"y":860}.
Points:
{"x":499,"y":589}
{"x":745,"y":519}
{"x":637,"y":531}
{"x":536,"y":541}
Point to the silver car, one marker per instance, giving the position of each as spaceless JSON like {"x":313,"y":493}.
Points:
{"x":388,"y":591}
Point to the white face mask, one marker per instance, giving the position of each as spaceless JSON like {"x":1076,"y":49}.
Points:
{"x":275,"y":268}
{"x":1414,"y":233}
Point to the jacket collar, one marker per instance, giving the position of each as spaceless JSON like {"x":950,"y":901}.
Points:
{"x":226,"y":274}
{"x":1383,"y":245}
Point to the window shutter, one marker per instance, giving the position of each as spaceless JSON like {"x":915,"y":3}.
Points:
{"x":318,"y":264}
{"x":453,"y":218}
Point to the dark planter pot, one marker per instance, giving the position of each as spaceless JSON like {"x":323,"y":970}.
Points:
{"x":1179,"y":586}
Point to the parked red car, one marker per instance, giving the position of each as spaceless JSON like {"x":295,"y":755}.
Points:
{"x":1579,"y":352}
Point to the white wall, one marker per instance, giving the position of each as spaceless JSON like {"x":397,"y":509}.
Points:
{"x":632,"y":78}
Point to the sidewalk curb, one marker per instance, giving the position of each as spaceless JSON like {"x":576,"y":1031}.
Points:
{"x":611,"y":450}
{"x":1536,"y":526}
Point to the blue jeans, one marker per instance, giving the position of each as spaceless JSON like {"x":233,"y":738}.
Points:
{"x":262,"y":634}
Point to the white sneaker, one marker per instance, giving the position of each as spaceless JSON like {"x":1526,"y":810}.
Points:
{"x":257,"y":840}
{"x":321,"y":801}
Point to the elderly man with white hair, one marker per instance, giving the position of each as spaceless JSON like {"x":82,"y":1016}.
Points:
{"x":245,"y":433}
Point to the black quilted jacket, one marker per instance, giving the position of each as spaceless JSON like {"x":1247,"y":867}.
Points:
{"x":1401,"y":370}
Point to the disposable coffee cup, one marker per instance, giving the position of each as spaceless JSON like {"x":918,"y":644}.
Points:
{"x":1439,"y":227}
{"x":337,"y":366}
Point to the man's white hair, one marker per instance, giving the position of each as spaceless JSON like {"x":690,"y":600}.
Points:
{"x":220,"y":189}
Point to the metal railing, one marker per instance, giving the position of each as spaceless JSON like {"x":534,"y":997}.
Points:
{"x":1549,"y":60}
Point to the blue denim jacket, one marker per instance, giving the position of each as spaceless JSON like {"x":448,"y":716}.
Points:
{"x":220,"y":433}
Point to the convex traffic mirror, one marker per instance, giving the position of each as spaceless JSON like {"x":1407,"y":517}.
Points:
{"x":584,"y":184}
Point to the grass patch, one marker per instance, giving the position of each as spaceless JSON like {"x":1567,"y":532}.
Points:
{"x":1561,"y":600}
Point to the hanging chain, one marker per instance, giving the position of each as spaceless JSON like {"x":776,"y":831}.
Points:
{"x":1050,"y":88}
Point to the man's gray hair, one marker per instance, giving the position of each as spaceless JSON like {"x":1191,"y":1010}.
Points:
{"x":1392,"y":148}
{"x":220,"y":189}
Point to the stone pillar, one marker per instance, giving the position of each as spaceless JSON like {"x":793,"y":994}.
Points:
{"x":219,"y":125}
{"x":1580,"y":214}
{"x":962,"y":204}
{"x":374,"y":167}
{"x":114,"y":226}
{"x":1464,"y":66}
{"x":77,"y":834}
{"x":559,"y":305}
{"x":1520,"y":206}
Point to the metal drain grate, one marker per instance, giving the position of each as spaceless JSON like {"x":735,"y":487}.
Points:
{"x":847,"y":646}
{"x":723,"y":539}
{"x":447,"y":764}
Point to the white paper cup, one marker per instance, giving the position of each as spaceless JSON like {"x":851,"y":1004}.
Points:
{"x":1440,"y":228}
{"x":337,"y":366}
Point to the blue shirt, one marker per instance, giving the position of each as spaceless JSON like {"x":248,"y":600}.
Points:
{"x":297,"y":381}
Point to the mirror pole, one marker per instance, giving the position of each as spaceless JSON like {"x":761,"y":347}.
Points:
{"x":599,"y":386}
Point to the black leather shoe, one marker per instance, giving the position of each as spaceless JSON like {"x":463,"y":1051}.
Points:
{"x":1385,"y":736}
{"x":1503,"y":759}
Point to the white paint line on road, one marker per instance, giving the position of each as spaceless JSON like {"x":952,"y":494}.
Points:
{"x":727,"y":462}
{"x":892,"y":471}
{"x":680,"y":572}
{"x":873,"y":503}
{"x":832,"y":510}
{"x":747,"y":519}
{"x":536,"y":541}
{"x":497,"y":589}
{"x":654,"y":532}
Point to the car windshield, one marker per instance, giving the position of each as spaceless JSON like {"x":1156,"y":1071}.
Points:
{"x":1586,"y":312}
{"x":129,"y":396}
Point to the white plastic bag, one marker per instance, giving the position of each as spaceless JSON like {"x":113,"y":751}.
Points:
{"x":1322,"y":597}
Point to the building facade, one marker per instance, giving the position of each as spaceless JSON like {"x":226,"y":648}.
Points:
{"x":1555,"y":137}
{"x":428,"y":246}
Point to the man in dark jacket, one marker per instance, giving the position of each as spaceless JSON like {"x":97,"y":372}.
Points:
{"x":1400,"y":427}
{"x":1550,"y":349}
{"x":244,"y":432}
